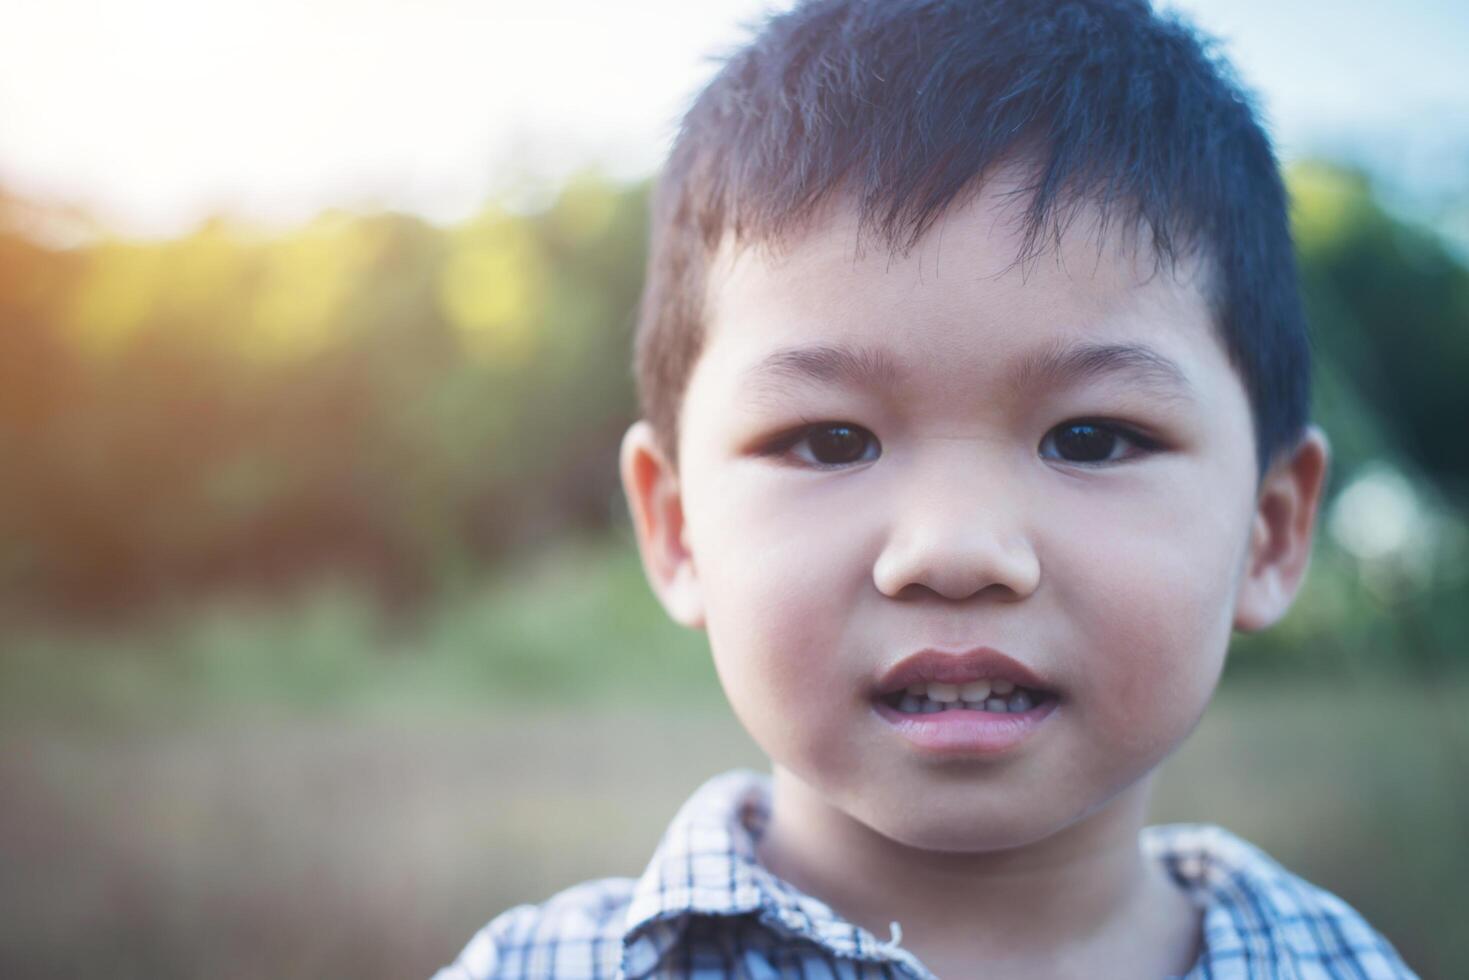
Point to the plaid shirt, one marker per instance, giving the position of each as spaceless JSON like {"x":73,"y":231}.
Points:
{"x":704,"y":908}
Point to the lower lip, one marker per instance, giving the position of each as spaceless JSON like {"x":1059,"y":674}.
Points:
{"x":965,"y":731}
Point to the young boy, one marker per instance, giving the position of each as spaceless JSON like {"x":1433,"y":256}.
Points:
{"x":975,"y":388}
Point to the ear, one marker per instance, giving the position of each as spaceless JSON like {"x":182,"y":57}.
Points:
{"x":654,"y":497}
{"x":1280,"y":541}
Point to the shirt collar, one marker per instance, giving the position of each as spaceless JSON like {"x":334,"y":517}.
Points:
{"x":706,"y":865}
{"x":1240,"y":890}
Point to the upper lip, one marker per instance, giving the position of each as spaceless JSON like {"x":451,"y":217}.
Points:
{"x":980,"y":663}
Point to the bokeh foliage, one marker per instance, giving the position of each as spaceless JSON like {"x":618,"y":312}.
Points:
{"x":369,"y":396}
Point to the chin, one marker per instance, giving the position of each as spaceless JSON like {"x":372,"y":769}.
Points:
{"x":970,"y":839}
{"x":967,"y":827}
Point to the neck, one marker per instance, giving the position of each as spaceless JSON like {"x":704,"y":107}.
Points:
{"x":1081,"y":890}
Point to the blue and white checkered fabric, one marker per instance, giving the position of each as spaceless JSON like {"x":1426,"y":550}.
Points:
{"x":704,"y":908}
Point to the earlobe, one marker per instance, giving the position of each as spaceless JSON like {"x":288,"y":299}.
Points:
{"x":654,"y":497}
{"x":1281,"y":536}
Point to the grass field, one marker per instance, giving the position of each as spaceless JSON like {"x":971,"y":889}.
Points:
{"x":251,"y":791}
{"x":298,"y":847}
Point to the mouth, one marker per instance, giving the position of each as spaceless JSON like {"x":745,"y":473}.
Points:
{"x":979,"y":680}
{"x":994,"y":696}
{"x":979,"y":704}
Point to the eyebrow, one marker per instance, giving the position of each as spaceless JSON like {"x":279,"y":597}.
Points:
{"x":1054,"y":367}
{"x":853,"y":367}
{"x":1069,"y":364}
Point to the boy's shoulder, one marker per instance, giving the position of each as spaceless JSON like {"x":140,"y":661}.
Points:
{"x":576,"y":933}
{"x":1260,"y":919}
{"x":614,"y":927}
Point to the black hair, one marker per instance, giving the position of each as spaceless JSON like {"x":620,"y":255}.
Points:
{"x":904,"y":106}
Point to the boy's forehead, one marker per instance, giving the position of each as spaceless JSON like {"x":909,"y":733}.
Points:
{"x":831,"y":278}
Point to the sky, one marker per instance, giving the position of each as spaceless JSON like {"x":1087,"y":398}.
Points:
{"x":154,"y":114}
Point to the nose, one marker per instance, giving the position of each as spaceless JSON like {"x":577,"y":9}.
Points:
{"x":963,"y":545}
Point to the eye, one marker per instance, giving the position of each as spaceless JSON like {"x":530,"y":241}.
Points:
{"x":830,"y":444}
{"x":1089,"y":442}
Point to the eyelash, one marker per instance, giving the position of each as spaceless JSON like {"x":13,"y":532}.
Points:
{"x":782,"y":445}
{"x":1142,"y":444}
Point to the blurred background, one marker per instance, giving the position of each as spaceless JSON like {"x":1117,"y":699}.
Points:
{"x":322,"y":637}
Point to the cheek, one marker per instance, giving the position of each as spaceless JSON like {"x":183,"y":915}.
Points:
{"x":778,"y":565}
{"x":777,"y":555}
{"x":1151,"y":600}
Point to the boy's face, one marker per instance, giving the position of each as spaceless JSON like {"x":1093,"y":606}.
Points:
{"x":957,"y":506}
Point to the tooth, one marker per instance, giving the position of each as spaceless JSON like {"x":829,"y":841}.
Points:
{"x":1002,"y":687}
{"x":996,"y":704}
{"x":974,"y":691}
{"x":929,"y":707}
{"x":909,"y":704}
{"x":918,"y":690}
{"x":943,"y":692}
{"x":1020,"y":701}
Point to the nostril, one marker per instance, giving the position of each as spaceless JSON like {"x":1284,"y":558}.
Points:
{"x":956,"y":566}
